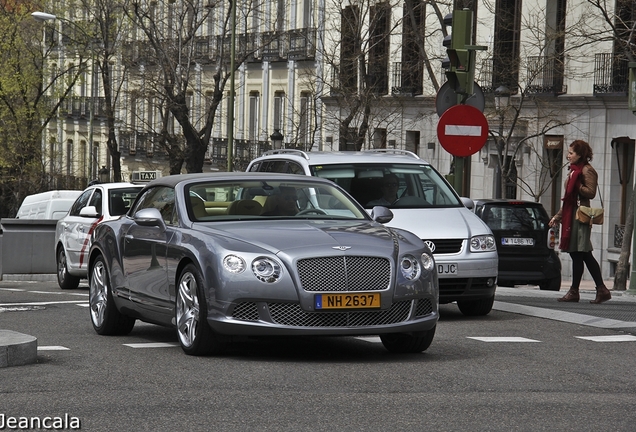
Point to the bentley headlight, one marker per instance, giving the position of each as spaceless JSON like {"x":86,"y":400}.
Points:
{"x":266,"y":269}
{"x":428,"y":262}
{"x":482,"y":243}
{"x":410,"y":267}
{"x":234,"y":264}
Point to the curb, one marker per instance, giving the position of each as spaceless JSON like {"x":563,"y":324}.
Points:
{"x":17,"y":349}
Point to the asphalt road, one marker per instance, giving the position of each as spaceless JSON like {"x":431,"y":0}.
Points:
{"x":508,"y":371}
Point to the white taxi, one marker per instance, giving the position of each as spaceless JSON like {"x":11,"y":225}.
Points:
{"x":98,"y":203}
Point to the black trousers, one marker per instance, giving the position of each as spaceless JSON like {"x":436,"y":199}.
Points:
{"x":585,"y":258}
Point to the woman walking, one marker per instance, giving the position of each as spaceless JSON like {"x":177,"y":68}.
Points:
{"x":580,"y":188}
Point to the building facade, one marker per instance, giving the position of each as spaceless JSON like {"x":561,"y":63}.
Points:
{"x":331,"y":75}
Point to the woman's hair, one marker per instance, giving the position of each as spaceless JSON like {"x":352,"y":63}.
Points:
{"x":582,"y":149}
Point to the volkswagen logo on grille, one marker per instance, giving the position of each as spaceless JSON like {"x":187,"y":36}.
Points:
{"x":430,"y":245}
{"x":342,"y":248}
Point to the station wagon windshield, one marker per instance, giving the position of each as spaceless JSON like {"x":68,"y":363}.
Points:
{"x":391,"y":185}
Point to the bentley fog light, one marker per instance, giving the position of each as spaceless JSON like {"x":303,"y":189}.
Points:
{"x":410,"y":267}
{"x":234,"y":264}
{"x":483,"y":243}
{"x":428,"y":262}
{"x":266,"y":269}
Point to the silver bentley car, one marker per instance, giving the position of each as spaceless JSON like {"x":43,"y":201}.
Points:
{"x":259,"y":254}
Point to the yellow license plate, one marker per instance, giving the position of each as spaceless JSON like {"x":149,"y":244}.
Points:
{"x":347,"y":301}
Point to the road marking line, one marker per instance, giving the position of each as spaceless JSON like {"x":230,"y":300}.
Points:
{"x":559,"y":315}
{"x":60,"y":293}
{"x":12,"y":289}
{"x":83,"y":304}
{"x":152,"y":345}
{"x":503,"y":339}
{"x":42,"y":303}
{"x":613,"y":338}
{"x":53,"y":348}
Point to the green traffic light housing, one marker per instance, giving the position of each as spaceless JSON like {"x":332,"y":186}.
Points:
{"x":460,"y":66}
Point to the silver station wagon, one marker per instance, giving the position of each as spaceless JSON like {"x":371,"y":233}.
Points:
{"x":257,"y":254}
{"x":422,"y":202}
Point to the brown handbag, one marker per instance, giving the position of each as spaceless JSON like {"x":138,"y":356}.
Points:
{"x":590,"y":215}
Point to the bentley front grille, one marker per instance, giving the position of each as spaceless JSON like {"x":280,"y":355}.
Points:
{"x":344,"y":273}
{"x":290,"y":314}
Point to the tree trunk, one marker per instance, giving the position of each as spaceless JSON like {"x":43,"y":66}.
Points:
{"x":622,"y":267}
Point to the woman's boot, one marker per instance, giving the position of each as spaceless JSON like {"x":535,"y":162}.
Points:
{"x":571,"y":296}
{"x":602,"y":295}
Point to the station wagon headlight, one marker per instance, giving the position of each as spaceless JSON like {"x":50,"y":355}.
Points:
{"x":410,"y":267}
{"x":483,"y":243}
{"x":428,"y":262}
{"x":266,"y":269}
{"x":234,"y":264}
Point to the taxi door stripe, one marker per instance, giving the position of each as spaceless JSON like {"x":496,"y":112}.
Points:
{"x":87,"y":239}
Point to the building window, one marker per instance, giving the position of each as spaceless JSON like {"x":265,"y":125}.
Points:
{"x":506,"y":44}
{"x":412,"y":43}
{"x":69,"y":157}
{"x":82,"y":159}
{"x":379,"y":138}
{"x":378,"y":72}
{"x":279,"y":100}
{"x":304,"y":132}
{"x":253,"y":116}
{"x":349,"y":47}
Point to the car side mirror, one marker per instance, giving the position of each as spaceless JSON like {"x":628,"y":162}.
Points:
{"x":149,"y":217}
{"x":381,"y":214}
{"x":468,"y":203}
{"x":89,"y":211}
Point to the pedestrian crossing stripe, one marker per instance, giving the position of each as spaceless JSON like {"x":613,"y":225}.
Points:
{"x":503,"y":339}
{"x":612,"y":338}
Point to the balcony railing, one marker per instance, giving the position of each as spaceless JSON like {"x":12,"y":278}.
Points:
{"x":144,"y":144}
{"x":611,"y":75}
{"x":302,"y":44}
{"x":398,"y":87}
{"x":545,"y":76}
{"x":244,"y":152}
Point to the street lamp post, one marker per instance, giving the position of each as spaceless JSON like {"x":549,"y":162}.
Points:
{"x":43,"y":16}
{"x":502,"y":100}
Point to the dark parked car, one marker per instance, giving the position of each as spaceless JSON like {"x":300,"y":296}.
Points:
{"x":262,"y":254}
{"x":525,"y":243}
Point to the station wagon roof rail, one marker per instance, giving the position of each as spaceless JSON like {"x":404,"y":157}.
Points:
{"x":393,"y":151}
{"x":287,"y":151}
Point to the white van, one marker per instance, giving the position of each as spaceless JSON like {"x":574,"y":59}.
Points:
{"x":47,"y":205}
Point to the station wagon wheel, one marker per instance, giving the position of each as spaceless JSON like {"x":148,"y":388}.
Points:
{"x":64,"y":279}
{"x":195,"y":335}
{"x":401,"y":343}
{"x":106,"y":319}
{"x":476,"y":307}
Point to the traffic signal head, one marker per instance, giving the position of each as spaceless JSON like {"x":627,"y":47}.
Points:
{"x":461,"y":53}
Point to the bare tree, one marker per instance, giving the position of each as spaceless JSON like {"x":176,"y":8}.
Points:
{"x":31,"y":94}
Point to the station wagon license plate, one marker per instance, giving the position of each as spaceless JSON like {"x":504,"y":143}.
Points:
{"x":347,"y":301}
{"x":516,"y":241}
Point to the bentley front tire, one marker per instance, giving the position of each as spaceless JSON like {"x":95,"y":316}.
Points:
{"x":195,"y":335}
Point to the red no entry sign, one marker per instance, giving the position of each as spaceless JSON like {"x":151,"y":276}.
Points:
{"x":462,"y":130}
